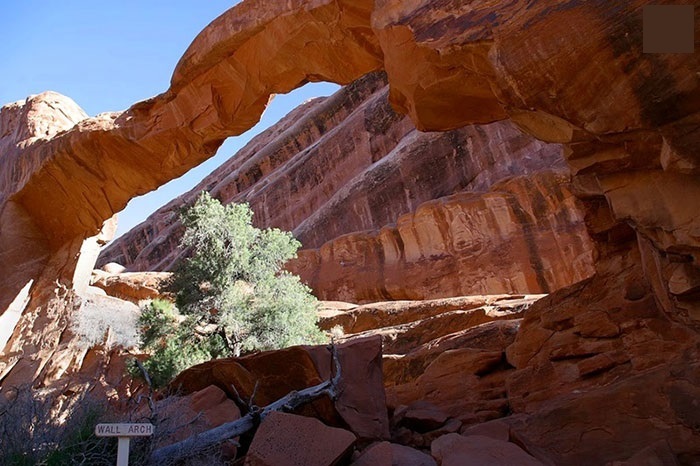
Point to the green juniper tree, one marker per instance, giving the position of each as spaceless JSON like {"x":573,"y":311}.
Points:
{"x":231,"y":293}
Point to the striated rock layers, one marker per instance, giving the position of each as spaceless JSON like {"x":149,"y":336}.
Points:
{"x":605,"y":371}
{"x":594,"y":373}
{"x":337,"y":170}
{"x":526,"y":235}
{"x":64,"y":178}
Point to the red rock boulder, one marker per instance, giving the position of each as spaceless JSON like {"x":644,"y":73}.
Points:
{"x":475,"y":450}
{"x":290,"y":440}
{"x":362,"y":400}
{"x":361,"y":403}
{"x":392,"y":454}
{"x":183,"y":417}
{"x":130,"y":286}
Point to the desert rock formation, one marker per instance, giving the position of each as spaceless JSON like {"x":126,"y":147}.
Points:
{"x":342,"y":164}
{"x":526,"y":235}
{"x":335,"y":171}
{"x":624,"y":340}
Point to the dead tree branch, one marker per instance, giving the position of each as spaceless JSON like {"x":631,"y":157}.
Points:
{"x":251,"y":401}
{"x":239,"y":401}
{"x":147,"y":378}
{"x":192,"y":445}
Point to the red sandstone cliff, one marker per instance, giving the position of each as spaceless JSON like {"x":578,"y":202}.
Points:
{"x":622,"y":344}
{"x":339,"y":167}
{"x":525,"y":235}
{"x":342,"y":164}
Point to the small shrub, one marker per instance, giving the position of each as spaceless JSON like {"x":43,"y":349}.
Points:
{"x":231,"y":293}
{"x":40,"y":429}
{"x":172,"y":342}
{"x":108,"y":321}
{"x":34,"y":431}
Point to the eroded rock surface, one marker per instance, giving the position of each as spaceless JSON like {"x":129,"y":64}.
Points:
{"x":451,"y":355}
{"x":360,"y":406}
{"x":526,"y":235}
{"x":475,"y":450}
{"x":390,"y":454}
{"x":185,"y":416}
{"x":571,"y":73}
{"x":298,"y":441}
{"x":337,"y":167}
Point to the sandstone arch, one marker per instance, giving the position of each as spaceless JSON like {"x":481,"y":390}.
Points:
{"x":448,"y":63}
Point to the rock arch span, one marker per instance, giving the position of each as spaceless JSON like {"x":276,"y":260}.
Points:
{"x":571,"y":73}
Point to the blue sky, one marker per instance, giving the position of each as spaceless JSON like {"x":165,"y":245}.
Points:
{"x":109,"y":55}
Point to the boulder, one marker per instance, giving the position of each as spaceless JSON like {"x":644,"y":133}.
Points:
{"x":113,"y":268}
{"x":131,"y":286}
{"x":185,"y":416}
{"x":656,"y":454}
{"x":422,"y":417}
{"x":269,"y":374}
{"x":362,"y":400}
{"x":392,"y":454}
{"x":290,"y":440}
{"x":451,"y":426}
{"x":495,"y":429}
{"x":361,"y":404}
{"x":476,"y":450}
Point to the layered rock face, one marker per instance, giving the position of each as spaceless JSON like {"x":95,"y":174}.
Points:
{"x":591,"y":374}
{"x":61,"y":187}
{"x":604,"y":356}
{"x":450,"y":65}
{"x":337,"y":167}
{"x":572,"y":73}
{"x":526,"y":235}
{"x":468,"y":64}
{"x":343,"y":164}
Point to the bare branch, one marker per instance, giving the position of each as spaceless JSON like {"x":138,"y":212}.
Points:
{"x":191,"y":445}
{"x":251,"y":401}
{"x":143,"y":370}
{"x":238,"y":399}
{"x":335,"y":363}
{"x":147,"y":378}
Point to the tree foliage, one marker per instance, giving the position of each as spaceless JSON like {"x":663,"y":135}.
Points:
{"x":231,"y":293}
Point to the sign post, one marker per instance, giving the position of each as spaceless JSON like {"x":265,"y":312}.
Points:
{"x":124,"y":432}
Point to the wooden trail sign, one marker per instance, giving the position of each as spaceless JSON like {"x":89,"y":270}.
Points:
{"x":124,"y":432}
